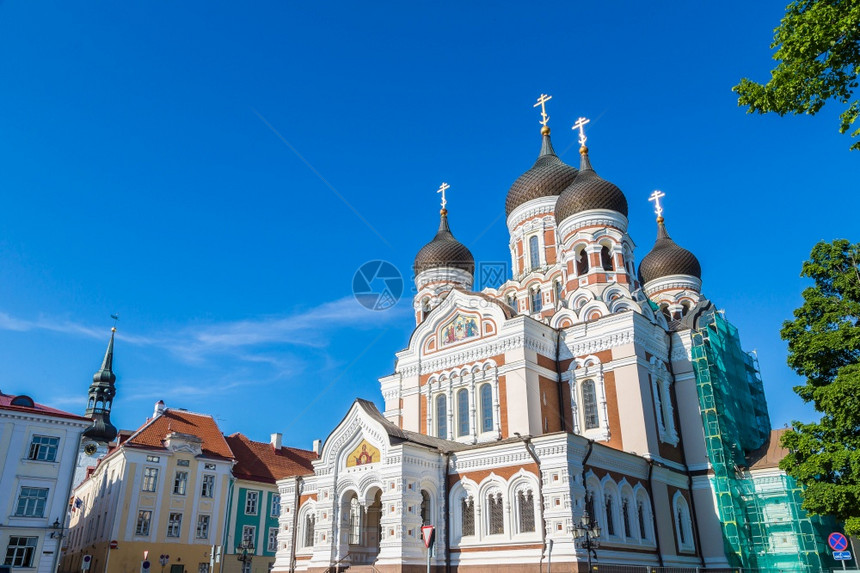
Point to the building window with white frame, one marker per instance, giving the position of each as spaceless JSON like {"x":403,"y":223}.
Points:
{"x":425,"y":508}
{"x":495,"y":514}
{"x":536,"y":299}
{"x":249,"y":534}
{"x":625,"y":517}
{"x":20,"y":551}
{"x":526,"y":507}
{"x":44,"y":448}
{"x":683,"y":522}
{"x":534,"y":252}
{"x":354,"y":521}
{"x":272,"y":545}
{"x":180,"y":483}
{"x":31,"y":502}
{"x":557,"y":287}
{"x":486,"y":396}
{"x":275,"y":510}
{"x":144,"y":519}
{"x":591,"y":419}
{"x":462,"y":412}
{"x":610,"y":516}
{"x":174,"y":524}
{"x":150,"y":479}
{"x":606,"y":259}
{"x":468,"y":516}
{"x":642,"y":515}
{"x":208,"y":487}
{"x":202,"y":527}
{"x":442,"y":416}
{"x":251,"y":500}
{"x":309,"y":530}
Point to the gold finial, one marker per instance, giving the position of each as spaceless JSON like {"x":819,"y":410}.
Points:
{"x":580,"y":125}
{"x":655,"y":196}
{"x":544,"y":130}
{"x":441,"y":190}
{"x":541,"y":101}
{"x":115,"y":318}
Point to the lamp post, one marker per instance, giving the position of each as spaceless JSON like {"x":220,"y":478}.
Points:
{"x":586,"y":533}
{"x":246,"y":552}
{"x":57,"y":534}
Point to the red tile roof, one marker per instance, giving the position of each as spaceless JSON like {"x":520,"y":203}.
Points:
{"x":260,"y":461}
{"x":153,"y":433}
{"x":6,"y":404}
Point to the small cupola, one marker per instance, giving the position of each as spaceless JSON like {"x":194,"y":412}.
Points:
{"x":444,"y":259}
{"x":589,"y":192}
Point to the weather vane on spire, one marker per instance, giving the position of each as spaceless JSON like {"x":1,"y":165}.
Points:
{"x":580,"y":125}
{"x":115,"y":318}
{"x":655,"y":196}
{"x":541,"y":101}
{"x":441,"y":190}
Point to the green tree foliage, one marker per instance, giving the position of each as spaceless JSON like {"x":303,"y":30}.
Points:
{"x":818,"y":50}
{"x":824,"y":347}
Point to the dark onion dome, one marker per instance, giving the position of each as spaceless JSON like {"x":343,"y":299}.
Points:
{"x":549,"y":176}
{"x":444,"y":251}
{"x":589,"y":191}
{"x":667,"y":259}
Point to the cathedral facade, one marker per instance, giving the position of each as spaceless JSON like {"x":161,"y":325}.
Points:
{"x":554,"y":419}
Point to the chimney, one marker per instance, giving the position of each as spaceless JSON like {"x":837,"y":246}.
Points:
{"x":277,"y":439}
{"x":317,"y":446}
{"x":159,"y":409}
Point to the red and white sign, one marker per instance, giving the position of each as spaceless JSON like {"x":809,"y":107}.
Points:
{"x":428,"y":533}
{"x":114,"y":544}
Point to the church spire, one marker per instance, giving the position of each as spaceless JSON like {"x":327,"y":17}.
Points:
{"x":101,"y":395}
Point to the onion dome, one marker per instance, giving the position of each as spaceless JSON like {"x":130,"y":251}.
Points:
{"x":549,"y":176}
{"x":667,"y":259}
{"x":444,"y":251}
{"x":589,"y":191}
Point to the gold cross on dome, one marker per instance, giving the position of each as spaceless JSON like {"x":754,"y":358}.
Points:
{"x":655,"y":196}
{"x":441,"y":190}
{"x":580,"y":125}
{"x":541,"y":101}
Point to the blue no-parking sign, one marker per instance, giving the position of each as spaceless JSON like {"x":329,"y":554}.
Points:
{"x":837,"y":541}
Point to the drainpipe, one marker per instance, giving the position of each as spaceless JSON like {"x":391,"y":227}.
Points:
{"x":530,"y":450}
{"x":295,"y":534}
{"x":653,"y":513}
{"x":686,"y":468}
{"x":445,"y":492}
{"x":561,"y":413}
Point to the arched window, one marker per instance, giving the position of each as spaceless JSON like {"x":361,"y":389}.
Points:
{"x":309,"y":530}
{"x":463,"y":412}
{"x":354,"y":522}
{"x":534,"y":252}
{"x":468,"y":507}
{"x":558,"y":291}
{"x":581,"y":258}
{"x":526,"y":502}
{"x":606,"y":259}
{"x":625,"y":517}
{"x":441,"y":416}
{"x":512,"y":301}
{"x":685,"y":308}
{"x":664,"y":308}
{"x":610,"y":516}
{"x":589,"y":505}
{"x":495,"y":512}
{"x":640,"y":513}
{"x":486,"y":393}
{"x":589,"y":405}
{"x":536,"y":300}
{"x":683,"y":523}
{"x":425,"y":308}
{"x":425,"y":507}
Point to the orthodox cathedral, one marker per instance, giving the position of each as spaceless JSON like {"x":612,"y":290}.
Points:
{"x":587,"y":411}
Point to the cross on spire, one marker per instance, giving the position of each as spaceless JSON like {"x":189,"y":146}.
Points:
{"x":441,"y":190}
{"x":580,"y":125}
{"x":655,"y":196}
{"x":541,"y":101}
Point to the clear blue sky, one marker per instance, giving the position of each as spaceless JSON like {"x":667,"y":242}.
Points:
{"x":138,"y":177}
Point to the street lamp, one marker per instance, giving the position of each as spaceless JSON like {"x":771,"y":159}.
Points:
{"x":586,"y":533}
{"x":246,"y":550}
{"x":57,"y":534}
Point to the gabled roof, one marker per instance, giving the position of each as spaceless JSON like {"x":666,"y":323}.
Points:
{"x":22,"y":404}
{"x":398,"y":435}
{"x":260,"y":461}
{"x":770,"y":454}
{"x":152,"y":434}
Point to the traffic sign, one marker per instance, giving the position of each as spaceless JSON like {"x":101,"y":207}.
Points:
{"x":427,"y":532}
{"x":842,"y":555}
{"x":114,"y":544}
{"x":85,"y":564}
{"x":837,"y":541}
{"x":144,"y":566}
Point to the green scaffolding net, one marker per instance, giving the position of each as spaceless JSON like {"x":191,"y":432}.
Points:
{"x":764,"y":527}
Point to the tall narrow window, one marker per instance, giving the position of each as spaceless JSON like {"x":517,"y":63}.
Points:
{"x":558,"y":291}
{"x":425,"y":308}
{"x":463,"y":412}
{"x":468,"y":509}
{"x":680,"y":518}
{"x":537,"y":303}
{"x":526,"y":503}
{"x":625,"y":516}
{"x":441,"y":416}
{"x":425,"y":507}
{"x":354,"y":521}
{"x":534,"y":252}
{"x":202,"y":527}
{"x":496,"y":513}
{"x":208,"y":488}
{"x":174,"y":524}
{"x":610,"y":516}
{"x":180,"y":482}
{"x":606,"y":259}
{"x":272,"y":545}
{"x":640,"y":513}
{"x":589,"y":405}
{"x":143,"y":519}
{"x":309,"y":530}
{"x":581,"y":262}
{"x":589,"y":505}
{"x":150,"y":479}
{"x":486,"y":392}
{"x":251,"y":499}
